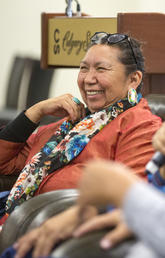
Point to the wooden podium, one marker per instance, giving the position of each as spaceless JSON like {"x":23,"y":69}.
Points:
{"x":66,"y":39}
{"x":149,"y":28}
{"x":45,"y":17}
{"x":146,"y":27}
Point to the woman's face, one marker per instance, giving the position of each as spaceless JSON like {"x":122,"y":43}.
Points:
{"x":102,"y":80}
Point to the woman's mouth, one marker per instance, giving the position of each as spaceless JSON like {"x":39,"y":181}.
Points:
{"x":94,"y":92}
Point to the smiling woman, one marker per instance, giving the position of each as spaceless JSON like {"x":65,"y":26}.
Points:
{"x":102,"y":79}
{"x":111,"y":126}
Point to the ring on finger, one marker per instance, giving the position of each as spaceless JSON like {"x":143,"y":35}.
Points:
{"x":76,"y":100}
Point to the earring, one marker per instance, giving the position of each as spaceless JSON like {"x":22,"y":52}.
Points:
{"x":132,"y":96}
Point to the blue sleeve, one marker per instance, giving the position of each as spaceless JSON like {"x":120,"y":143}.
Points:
{"x":157,"y":181}
{"x":153,"y":171}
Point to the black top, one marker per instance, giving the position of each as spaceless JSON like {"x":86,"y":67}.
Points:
{"x":19,"y":129}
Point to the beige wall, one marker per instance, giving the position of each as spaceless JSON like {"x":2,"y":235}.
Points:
{"x":20,"y":32}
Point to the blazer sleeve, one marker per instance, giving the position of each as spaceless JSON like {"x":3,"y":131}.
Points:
{"x":16,"y":140}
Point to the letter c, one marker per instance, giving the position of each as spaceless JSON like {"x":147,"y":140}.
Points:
{"x":55,"y":35}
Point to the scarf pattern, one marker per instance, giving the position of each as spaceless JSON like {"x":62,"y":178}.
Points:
{"x":65,"y":144}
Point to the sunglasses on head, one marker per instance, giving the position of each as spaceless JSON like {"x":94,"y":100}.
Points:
{"x":102,"y":37}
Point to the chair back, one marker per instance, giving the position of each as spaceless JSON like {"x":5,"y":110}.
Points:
{"x":14,"y":82}
{"x":156,"y":103}
{"x":28,"y":84}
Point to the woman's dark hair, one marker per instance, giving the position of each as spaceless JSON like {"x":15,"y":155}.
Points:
{"x":127,"y":58}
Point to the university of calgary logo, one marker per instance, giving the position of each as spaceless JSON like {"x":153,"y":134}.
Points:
{"x":68,"y":43}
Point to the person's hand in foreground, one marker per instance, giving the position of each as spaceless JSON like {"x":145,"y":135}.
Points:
{"x":105,"y":183}
{"x":51,"y":232}
{"x":117,"y":234}
{"x":61,"y":106}
{"x":159,"y":144}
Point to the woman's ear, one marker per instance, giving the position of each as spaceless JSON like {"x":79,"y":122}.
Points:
{"x":135,"y":79}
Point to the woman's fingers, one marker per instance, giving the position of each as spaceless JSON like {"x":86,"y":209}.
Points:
{"x":115,"y":236}
{"x":44,"y":245}
{"x":118,"y":233}
{"x":48,"y":234}
{"x":25,"y":243}
{"x":109,"y":219}
{"x":59,"y":106}
{"x":41,"y":240}
{"x":96,"y":223}
{"x":75,"y":110}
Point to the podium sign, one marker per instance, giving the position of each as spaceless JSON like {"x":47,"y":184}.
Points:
{"x":64,"y":41}
{"x":68,"y":38}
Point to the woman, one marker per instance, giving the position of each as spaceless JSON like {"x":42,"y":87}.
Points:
{"x":113,"y":127}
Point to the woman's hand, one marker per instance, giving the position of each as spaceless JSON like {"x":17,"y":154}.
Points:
{"x":118,"y":233}
{"x":159,"y":144}
{"x":60,"y":107}
{"x":48,"y":234}
{"x":51,"y":232}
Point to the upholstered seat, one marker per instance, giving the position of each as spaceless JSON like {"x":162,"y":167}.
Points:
{"x":88,"y":247}
{"x":157,"y":104}
{"x":33,"y":212}
{"x":27,"y":84}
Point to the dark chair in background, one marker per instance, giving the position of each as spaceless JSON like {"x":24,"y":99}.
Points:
{"x":13,"y":88}
{"x":28,"y":84}
{"x":157,"y":104}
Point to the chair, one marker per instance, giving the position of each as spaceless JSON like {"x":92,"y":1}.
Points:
{"x":88,"y":246}
{"x":157,"y":104}
{"x":27,"y":84}
{"x":33,"y":212}
{"x":13,"y":88}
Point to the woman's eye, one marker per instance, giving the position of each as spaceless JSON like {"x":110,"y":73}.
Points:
{"x":83,"y":68}
{"x":101,"y":68}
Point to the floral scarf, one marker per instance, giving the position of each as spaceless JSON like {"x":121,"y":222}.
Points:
{"x":66,"y":143}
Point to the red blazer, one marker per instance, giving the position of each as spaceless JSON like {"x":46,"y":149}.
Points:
{"x":127,"y":139}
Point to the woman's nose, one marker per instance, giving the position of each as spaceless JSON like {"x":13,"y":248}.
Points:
{"x":90,"y":77}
